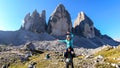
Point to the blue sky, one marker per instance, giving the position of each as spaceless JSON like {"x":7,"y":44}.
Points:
{"x":104,"y":13}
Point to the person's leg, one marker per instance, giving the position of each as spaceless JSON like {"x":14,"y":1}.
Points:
{"x":72,"y":65}
{"x":72,"y":49}
{"x":67,"y":65}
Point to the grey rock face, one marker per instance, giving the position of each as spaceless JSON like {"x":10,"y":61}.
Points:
{"x":59,"y":22}
{"x":97,"y":32}
{"x":84,"y":26}
{"x":29,"y":46}
{"x":28,"y":21}
{"x":22,"y":36}
{"x":35,"y":22}
{"x":108,"y":40}
{"x":50,"y":45}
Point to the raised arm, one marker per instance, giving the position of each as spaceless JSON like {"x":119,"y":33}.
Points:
{"x":62,"y":40}
{"x":72,"y":35}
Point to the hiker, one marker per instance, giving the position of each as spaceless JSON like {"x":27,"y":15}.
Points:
{"x":68,"y":41}
{"x":69,"y":55}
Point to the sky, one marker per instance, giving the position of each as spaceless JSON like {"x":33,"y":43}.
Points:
{"x":104,"y":13}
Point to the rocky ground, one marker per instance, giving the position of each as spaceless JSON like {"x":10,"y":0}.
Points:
{"x":20,"y":57}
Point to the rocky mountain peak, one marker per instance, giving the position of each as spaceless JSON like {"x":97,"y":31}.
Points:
{"x":35,"y":22}
{"x":60,"y":21}
{"x":35,"y":13}
{"x":60,"y":8}
{"x":83,"y":25}
{"x":43,"y":14}
{"x":82,"y":15}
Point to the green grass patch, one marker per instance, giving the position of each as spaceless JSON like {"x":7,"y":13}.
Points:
{"x":110,"y":54}
{"x":103,"y":66}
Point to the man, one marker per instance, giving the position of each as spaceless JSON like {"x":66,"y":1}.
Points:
{"x":69,"y":55}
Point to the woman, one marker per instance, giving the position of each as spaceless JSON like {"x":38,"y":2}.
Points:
{"x":68,"y":41}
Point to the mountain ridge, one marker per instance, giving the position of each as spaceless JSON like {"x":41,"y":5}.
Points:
{"x":34,"y":27}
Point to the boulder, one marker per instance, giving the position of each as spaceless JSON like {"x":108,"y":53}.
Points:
{"x":32,"y":65}
{"x":29,"y":46}
{"x":59,"y":22}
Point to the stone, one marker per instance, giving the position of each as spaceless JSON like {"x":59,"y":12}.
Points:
{"x":115,"y":65}
{"x":84,"y":26}
{"x":32,"y":65}
{"x":4,"y":66}
{"x":99,"y":58}
{"x":35,"y":22}
{"x":88,"y":56}
{"x":29,"y":46}
{"x":28,"y":54}
{"x":61,"y":60}
{"x":59,"y":22}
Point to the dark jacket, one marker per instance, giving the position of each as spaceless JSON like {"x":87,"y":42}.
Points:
{"x":69,"y":55}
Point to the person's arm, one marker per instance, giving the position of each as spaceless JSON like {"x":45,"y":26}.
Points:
{"x":72,"y":43}
{"x":72,"y":35}
{"x":65,"y":55}
{"x":62,"y":40}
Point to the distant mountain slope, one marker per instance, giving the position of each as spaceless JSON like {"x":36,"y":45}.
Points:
{"x":21,"y":37}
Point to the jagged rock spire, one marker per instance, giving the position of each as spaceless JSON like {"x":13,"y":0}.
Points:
{"x":35,"y":22}
{"x":60,"y":21}
{"x":84,"y":26}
